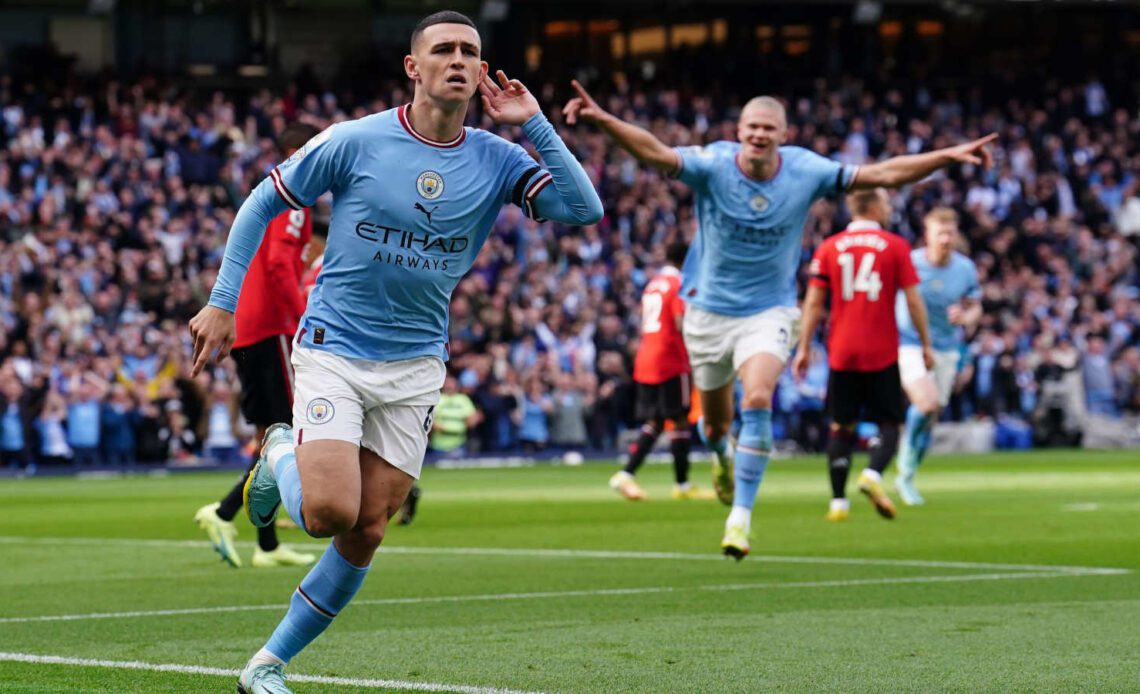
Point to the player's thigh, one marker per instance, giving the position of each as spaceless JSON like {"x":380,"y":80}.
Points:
{"x":398,"y":434}
{"x":918,"y":382}
{"x":770,"y":332}
{"x":844,"y":397}
{"x":382,"y":491}
{"x":883,"y":398}
{"x":945,"y":369}
{"x":759,"y":375}
{"x":708,"y":341}
{"x":328,"y":416}
{"x":266,"y":375}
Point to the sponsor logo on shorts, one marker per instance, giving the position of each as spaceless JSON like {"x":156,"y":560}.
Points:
{"x":319,"y":411}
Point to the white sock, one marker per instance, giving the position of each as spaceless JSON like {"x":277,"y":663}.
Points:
{"x":840,"y":505}
{"x":275,"y":453}
{"x":685,"y":486}
{"x":739,"y":515}
{"x":264,"y":657}
{"x":872,"y":475}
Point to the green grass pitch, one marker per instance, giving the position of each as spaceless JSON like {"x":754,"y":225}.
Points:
{"x":542,"y":579}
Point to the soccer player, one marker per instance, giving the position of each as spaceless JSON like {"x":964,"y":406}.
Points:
{"x":949,"y":286}
{"x":863,"y":268}
{"x":272,"y":301}
{"x":661,"y":372}
{"x":751,"y":198}
{"x":415,"y":194}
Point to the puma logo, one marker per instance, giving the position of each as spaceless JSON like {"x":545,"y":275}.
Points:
{"x":426,"y":211}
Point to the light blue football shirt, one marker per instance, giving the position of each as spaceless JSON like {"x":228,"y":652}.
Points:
{"x":747,"y":250}
{"x":409,"y":216}
{"x":941,"y":287}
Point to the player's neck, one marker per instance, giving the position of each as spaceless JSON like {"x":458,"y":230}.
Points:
{"x":759,"y":169}
{"x":863,"y":224}
{"x":935,"y":258}
{"x":435,"y":121}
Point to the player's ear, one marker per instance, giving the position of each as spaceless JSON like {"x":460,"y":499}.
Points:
{"x":484,"y":68}
{"x":410,"y":68}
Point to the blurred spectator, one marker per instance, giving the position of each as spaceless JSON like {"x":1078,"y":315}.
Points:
{"x":120,"y":417}
{"x":454,"y":416}
{"x":53,"y":439}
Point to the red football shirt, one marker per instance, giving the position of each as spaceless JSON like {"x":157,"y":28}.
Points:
{"x":662,"y":354}
{"x":271,"y":300}
{"x":863,"y":267}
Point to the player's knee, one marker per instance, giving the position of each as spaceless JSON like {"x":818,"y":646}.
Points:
{"x":715,"y":431}
{"x":327,"y":520}
{"x":756,"y":400}
{"x":370,"y":535}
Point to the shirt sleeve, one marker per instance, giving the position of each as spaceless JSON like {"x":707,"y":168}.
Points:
{"x":908,"y":276}
{"x":817,"y":271}
{"x":827,"y":176}
{"x":525,"y":179}
{"x":315,"y":168}
{"x":696,"y":164}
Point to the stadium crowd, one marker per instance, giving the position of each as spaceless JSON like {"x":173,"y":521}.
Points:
{"x":115,"y":201}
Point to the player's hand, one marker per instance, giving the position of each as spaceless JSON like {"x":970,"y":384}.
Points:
{"x":954,"y":314}
{"x":800,"y":363}
{"x":508,"y":102}
{"x":974,"y":152}
{"x":582,"y":106}
{"x":928,"y":356}
{"x":213,"y":330}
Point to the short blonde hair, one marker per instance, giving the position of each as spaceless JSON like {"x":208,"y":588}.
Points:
{"x":941,"y":214}
{"x":769,"y":102}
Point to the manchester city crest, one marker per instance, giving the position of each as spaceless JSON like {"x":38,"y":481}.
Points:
{"x":429,"y":185}
{"x":319,"y":411}
{"x":759,"y":203}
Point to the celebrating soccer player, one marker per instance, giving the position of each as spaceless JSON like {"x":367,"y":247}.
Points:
{"x":414,"y":196}
{"x":752,"y":198}
{"x":661,"y":371}
{"x":271,"y":304}
{"x":948,"y":282}
{"x":863,"y":267}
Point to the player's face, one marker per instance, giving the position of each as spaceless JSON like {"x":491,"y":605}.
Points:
{"x":761,"y":131}
{"x":446,"y":62}
{"x":940,"y":237}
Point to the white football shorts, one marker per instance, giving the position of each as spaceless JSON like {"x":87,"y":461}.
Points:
{"x":718,"y":345}
{"x":912,"y":368}
{"x":384,"y":406}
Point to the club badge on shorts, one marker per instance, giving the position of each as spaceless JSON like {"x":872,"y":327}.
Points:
{"x":319,"y":411}
{"x":429,"y":185}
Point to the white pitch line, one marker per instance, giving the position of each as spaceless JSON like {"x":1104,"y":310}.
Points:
{"x":598,"y":554}
{"x":599,"y":592}
{"x":220,"y":672}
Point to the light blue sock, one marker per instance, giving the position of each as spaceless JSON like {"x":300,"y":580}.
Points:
{"x":324,"y":592}
{"x":752,"y":455}
{"x":922,"y":441}
{"x":718,"y":446}
{"x":289,"y":485}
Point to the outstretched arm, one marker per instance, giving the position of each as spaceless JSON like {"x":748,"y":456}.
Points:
{"x":813,"y":311}
{"x":572,"y":199}
{"x":637,"y":141}
{"x":898,"y":171}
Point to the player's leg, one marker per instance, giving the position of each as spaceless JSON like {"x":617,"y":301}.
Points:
{"x":709,"y":341}
{"x":945,"y":370}
{"x":648,"y":410}
{"x":216,"y":519}
{"x":760,"y":351}
{"x":843,"y":405}
{"x":922,"y":391}
{"x":884,"y":406}
{"x":680,"y":442}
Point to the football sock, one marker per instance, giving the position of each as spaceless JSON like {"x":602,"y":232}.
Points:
{"x":679,"y":444}
{"x":719,"y":446}
{"x":923,"y":441}
{"x":884,"y":447}
{"x":840,"y":445}
{"x":752,"y":455}
{"x":283,"y":464}
{"x":915,"y":423}
{"x":323,"y":593}
{"x":267,"y":538}
{"x":642,"y":447}
{"x":231,"y":503}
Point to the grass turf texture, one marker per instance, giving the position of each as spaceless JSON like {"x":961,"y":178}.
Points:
{"x":601,"y":623}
